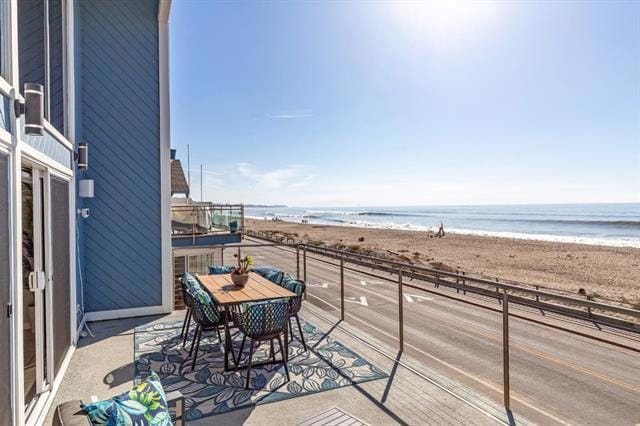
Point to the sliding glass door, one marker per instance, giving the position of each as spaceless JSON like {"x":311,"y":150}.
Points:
{"x":46,"y":303}
{"x":36,"y":303}
{"x":5,"y":293}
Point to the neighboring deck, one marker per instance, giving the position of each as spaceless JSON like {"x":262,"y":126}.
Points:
{"x":411,"y":394}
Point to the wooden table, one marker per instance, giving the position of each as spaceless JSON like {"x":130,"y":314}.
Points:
{"x":227,"y":295}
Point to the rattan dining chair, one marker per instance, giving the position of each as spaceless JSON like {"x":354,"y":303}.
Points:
{"x":262,"y":322}
{"x":208,"y":318}
{"x":187,"y":282}
{"x":295,"y":303}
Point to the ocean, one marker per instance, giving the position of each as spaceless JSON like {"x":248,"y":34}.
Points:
{"x":600,"y":224}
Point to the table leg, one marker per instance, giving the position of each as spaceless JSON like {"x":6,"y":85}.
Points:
{"x":227,"y":340}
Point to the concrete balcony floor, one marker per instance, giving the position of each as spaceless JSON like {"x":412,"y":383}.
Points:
{"x":411,"y":394}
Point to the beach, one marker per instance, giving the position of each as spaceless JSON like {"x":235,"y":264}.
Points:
{"x":602,"y":271}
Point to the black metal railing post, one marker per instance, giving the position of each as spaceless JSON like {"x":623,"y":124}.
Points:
{"x":341,"y":287}
{"x":298,"y":262}
{"x":505,"y":348}
{"x":304,"y":263}
{"x":400,"y":311}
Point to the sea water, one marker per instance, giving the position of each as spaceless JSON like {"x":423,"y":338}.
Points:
{"x":601,"y":224}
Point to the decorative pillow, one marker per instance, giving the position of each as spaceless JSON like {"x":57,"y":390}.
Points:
{"x":145,"y":404}
{"x":293,"y":285}
{"x":190,"y":281}
{"x":272,"y":274}
{"x":219,"y":270}
{"x":201,"y":295}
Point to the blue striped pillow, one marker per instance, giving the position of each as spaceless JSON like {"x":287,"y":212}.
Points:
{"x":220,"y":269}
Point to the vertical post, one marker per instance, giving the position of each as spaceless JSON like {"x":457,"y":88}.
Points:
{"x":341,"y":287}
{"x":400,"y":311}
{"x":505,"y":347}
{"x":222,"y":256}
{"x":304,"y":263}
{"x":537,"y":296}
{"x":242,"y":220}
{"x":297,"y":262}
{"x":193,"y":226}
{"x":239,"y":255}
{"x":464,"y":284}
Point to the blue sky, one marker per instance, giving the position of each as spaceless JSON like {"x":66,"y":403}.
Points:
{"x":389,"y":103}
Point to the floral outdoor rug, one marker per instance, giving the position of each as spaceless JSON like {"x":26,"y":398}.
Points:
{"x":208,"y":390}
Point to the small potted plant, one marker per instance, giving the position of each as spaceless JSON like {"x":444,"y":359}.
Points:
{"x":240,"y":275}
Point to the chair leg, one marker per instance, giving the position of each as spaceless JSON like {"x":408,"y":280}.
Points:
{"x":290,"y":330}
{"x":197,"y":344}
{"x":193,"y":342}
{"x":219,"y":336}
{"x":249,"y":368}
{"x":184,"y":323}
{"x":273,"y":352}
{"x":188,"y":321}
{"x":284,"y":358}
{"x":244,"y":339}
{"x":304,"y":344}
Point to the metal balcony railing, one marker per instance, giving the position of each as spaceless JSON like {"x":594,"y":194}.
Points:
{"x":209,"y":218}
{"x":402,"y":273}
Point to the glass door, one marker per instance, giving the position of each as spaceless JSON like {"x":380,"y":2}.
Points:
{"x":36,"y":277}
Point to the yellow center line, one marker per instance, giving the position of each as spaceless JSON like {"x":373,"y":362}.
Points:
{"x":491,"y":385}
{"x":522,"y":347}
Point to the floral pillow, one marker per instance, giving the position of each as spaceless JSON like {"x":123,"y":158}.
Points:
{"x":145,"y":404}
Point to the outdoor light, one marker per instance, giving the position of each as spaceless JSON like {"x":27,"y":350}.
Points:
{"x":83,"y":156}
{"x":33,"y":109}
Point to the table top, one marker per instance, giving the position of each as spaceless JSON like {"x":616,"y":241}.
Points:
{"x":257,"y":289}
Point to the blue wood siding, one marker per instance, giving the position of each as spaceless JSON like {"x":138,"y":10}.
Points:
{"x":121,"y":122}
{"x":49,"y":146}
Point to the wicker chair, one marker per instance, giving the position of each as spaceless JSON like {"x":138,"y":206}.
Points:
{"x":261,"y":322}
{"x":187,"y":282}
{"x":295,"y":303}
{"x":207,"y":318}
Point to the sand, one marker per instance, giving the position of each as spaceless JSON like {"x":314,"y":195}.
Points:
{"x":605,"y":272}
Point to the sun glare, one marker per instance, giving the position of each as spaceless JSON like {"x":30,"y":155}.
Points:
{"x":445,"y":20}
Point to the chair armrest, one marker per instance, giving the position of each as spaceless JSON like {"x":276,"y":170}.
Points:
{"x":177,"y":398}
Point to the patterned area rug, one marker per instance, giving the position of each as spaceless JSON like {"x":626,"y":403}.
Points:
{"x":209,"y":390}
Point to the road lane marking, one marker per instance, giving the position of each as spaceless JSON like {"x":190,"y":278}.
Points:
{"x":321,"y":285}
{"x":524,"y":348}
{"x":498,"y":338}
{"x":416,"y":298}
{"x":362,"y":301}
{"x":487,"y":383}
{"x":367,"y":282}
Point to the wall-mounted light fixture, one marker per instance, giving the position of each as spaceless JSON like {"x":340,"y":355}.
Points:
{"x":33,"y":109}
{"x":83,"y":156}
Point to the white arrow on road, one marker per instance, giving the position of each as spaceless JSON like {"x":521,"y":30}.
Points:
{"x":415,"y":298}
{"x":363,"y":282}
{"x":362,"y":301}
{"x":322,"y":285}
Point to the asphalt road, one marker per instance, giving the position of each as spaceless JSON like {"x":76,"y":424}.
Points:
{"x":558,"y":374}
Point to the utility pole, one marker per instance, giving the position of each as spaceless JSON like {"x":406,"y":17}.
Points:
{"x":201,"y":197}
{"x":188,"y":170}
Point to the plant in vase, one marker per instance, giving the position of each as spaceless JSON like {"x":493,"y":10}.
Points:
{"x":240,"y":274}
